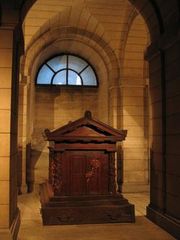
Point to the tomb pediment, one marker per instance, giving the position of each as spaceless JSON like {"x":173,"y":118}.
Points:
{"x":86,"y":129}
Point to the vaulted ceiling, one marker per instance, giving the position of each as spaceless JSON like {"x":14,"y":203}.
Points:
{"x":108,"y":19}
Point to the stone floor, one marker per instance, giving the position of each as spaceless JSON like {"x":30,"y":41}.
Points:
{"x":143,"y":229}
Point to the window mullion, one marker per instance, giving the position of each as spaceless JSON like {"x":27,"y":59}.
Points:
{"x":81,"y":80}
{"x":50,"y":67}
{"x":67,"y":67}
{"x":84,"y":69}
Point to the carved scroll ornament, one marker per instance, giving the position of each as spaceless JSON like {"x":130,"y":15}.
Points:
{"x":94,"y":165}
{"x":56,"y":179}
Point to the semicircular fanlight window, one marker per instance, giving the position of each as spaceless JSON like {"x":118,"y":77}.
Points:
{"x":67,"y":70}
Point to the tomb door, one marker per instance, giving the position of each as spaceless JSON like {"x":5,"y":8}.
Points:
{"x":84,"y":173}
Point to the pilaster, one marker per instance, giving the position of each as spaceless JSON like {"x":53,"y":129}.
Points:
{"x":9,"y":213}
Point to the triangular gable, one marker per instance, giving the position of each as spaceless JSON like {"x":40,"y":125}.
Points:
{"x":87,"y":127}
{"x":85,"y":131}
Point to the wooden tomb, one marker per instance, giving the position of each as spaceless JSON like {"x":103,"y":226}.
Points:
{"x":82,"y":184}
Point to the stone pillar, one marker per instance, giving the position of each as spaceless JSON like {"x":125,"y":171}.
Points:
{"x":115,"y":107}
{"x":30,"y":163}
{"x":164,"y":88}
{"x":10,"y":47}
{"x":22,"y":136}
{"x":9,"y":213}
{"x":115,"y":120}
{"x":25,"y":171}
{"x":135,"y":148}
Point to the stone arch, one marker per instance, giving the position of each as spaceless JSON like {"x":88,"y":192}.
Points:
{"x":151,"y":11}
{"x":93,"y":34}
{"x":26,"y":7}
{"x":148,"y":9}
{"x":151,"y":14}
{"x":47,"y":45}
{"x":126,"y":29}
{"x":157,"y":18}
{"x":94,"y":41}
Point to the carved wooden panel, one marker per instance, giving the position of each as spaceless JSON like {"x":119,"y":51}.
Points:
{"x":80,"y":173}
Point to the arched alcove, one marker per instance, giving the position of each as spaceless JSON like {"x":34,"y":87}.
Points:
{"x":66,"y":104}
{"x":52,"y":36}
{"x":159,"y":22}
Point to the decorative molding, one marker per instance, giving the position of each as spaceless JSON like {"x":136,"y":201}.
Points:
{"x":112,"y":180}
{"x":55,"y":169}
{"x":8,"y":26}
{"x":124,"y":85}
{"x":138,"y":188}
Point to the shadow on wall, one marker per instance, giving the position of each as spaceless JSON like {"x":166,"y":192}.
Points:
{"x":43,"y":118}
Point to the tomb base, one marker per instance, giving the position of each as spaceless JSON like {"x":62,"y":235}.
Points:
{"x":84,"y":209}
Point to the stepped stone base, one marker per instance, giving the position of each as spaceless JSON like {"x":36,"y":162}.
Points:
{"x":59,"y":210}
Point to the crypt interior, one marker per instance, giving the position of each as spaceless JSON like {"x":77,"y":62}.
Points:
{"x":132,"y":51}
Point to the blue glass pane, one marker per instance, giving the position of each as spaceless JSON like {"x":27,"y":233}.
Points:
{"x":58,"y":63}
{"x":89,"y":77}
{"x":76,"y":63}
{"x":45,"y":75}
{"x":73,"y":78}
{"x":60,"y":78}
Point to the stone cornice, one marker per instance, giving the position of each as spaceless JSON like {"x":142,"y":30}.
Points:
{"x":8,"y":26}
